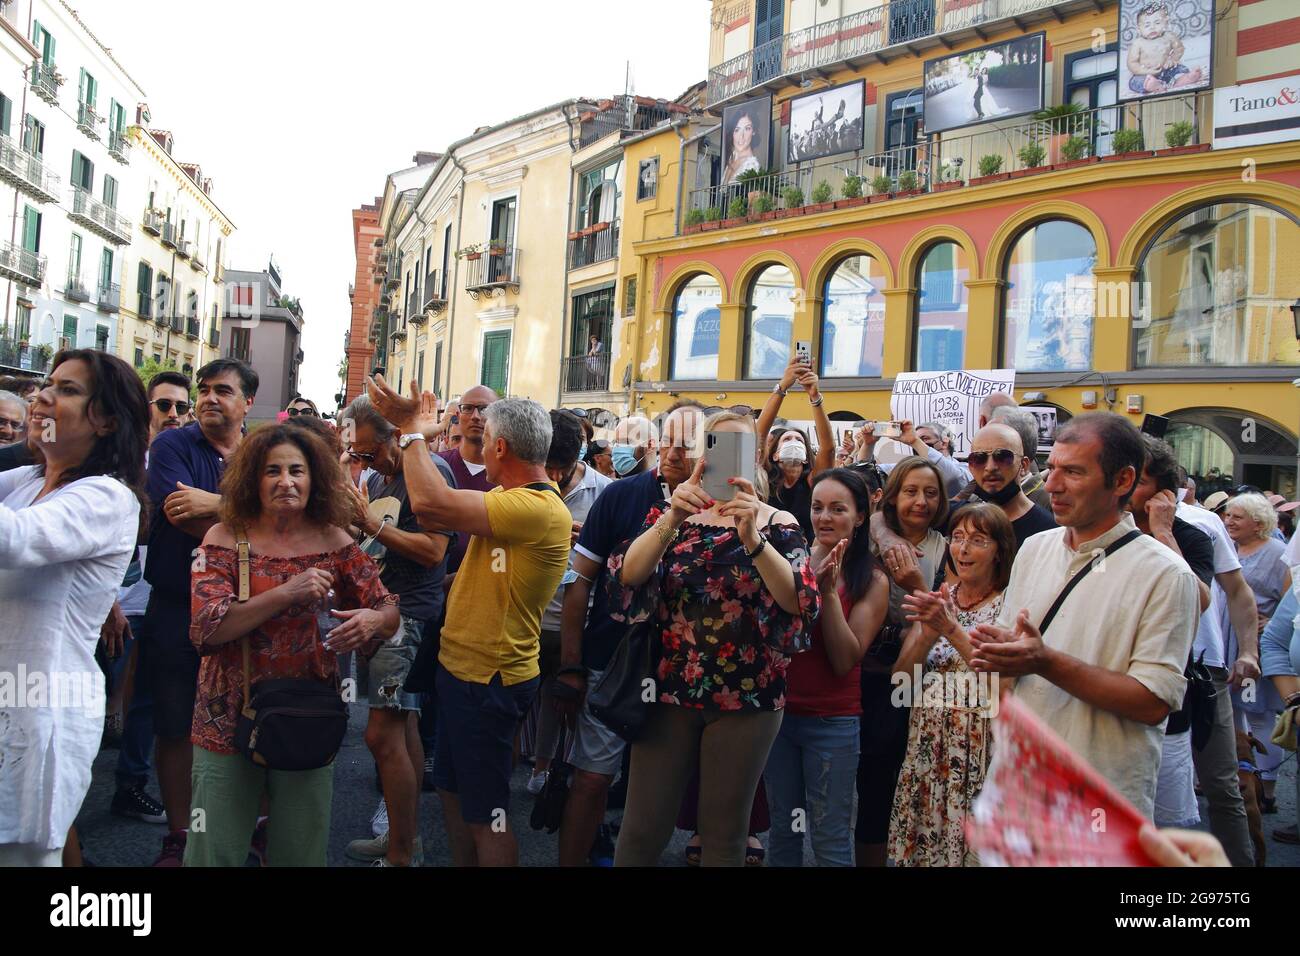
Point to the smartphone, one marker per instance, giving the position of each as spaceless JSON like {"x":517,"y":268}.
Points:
{"x":1155,"y":425}
{"x":803,"y":352}
{"x":727,"y":455}
{"x":886,"y":429}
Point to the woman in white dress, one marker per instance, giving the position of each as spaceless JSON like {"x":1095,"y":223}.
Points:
{"x":68,"y":528}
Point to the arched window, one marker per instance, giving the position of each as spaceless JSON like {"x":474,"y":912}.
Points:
{"x":1050,"y":299}
{"x":1216,"y":288}
{"x":853,"y":319}
{"x":697,"y":326}
{"x":769,"y":322}
{"x":941,"y":309}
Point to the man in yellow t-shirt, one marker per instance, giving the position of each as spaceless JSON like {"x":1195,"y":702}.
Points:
{"x":487,"y":664}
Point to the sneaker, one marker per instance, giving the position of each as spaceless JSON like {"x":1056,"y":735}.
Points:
{"x":537,"y":782}
{"x":602,"y":850}
{"x":427,"y":785}
{"x":379,"y":822}
{"x":133,"y":802}
{"x":173,"y":849}
{"x":257,"y":846}
{"x":373,"y":851}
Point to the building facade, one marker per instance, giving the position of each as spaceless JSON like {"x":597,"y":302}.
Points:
{"x":263,"y":327}
{"x":1139,"y":250}
{"x":358,"y":349}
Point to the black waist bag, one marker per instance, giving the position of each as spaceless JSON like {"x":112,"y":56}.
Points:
{"x":291,"y":723}
{"x":618,"y":700}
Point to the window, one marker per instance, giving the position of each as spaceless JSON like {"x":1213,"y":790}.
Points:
{"x":241,"y":340}
{"x":162,"y":294}
{"x":600,"y":198}
{"x":106,"y":269}
{"x":446,"y":254}
{"x":6,"y":113}
{"x":941,"y":310}
{"x":88,"y":90}
{"x":83,"y":172}
{"x":437,"y":369}
{"x":697,"y":328}
{"x":503,"y":222}
{"x":853,"y":319}
{"x":419,"y":369}
{"x":74,"y":257}
{"x":1092,"y":81}
{"x":144,"y":291}
{"x":33,"y":136}
{"x":1219,"y":284}
{"x":496,"y":360}
{"x":31,"y":229}
{"x":110,"y":192}
{"x":101,"y":337}
{"x":69,"y":338}
{"x":629,"y":295}
{"x":157,"y":357}
{"x":43,"y":42}
{"x":139,"y":357}
{"x":116,"y":117}
{"x":1050,"y":299}
{"x":769,"y":323}
{"x":593,"y":315}
{"x":24,"y":320}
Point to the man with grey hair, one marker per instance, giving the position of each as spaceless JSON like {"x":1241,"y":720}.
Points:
{"x":993,"y":403}
{"x":1026,"y":426}
{"x":13,"y":419}
{"x":487,"y":662}
{"x":412,"y":564}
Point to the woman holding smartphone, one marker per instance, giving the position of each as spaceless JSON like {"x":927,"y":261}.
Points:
{"x":787,"y":456}
{"x":731,"y":591}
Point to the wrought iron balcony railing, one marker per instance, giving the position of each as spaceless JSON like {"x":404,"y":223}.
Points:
{"x":46,"y":82}
{"x":110,"y":298}
{"x":74,"y":290}
{"x":594,"y":244}
{"x":27,"y":173}
{"x":153,"y":221}
{"x":587,"y":373}
{"x":21,"y":265}
{"x":495,"y":268}
{"x":119,"y":147}
{"x":99,"y":218}
{"x":89,"y":121}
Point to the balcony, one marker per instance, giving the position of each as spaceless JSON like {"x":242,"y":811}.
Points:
{"x":625,"y":114}
{"x":435,"y":293}
{"x":99,"y":218}
{"x":586,"y":373}
{"x":197,"y":263}
{"x":88,"y":121}
{"x":26,"y":173}
{"x":393,"y":274}
{"x":74,"y":290}
{"x":192,"y":328}
{"x":491,"y":270}
{"x":119,"y":147}
{"x":110,"y":298}
{"x":170,"y":235}
{"x":596,"y":243}
{"x":153,"y":222}
{"x":46,"y":82}
{"x":398,"y":334}
{"x":214,"y":337}
{"x":29,"y":358}
{"x":183,"y":248}
{"x":893,"y":29}
{"x":20,"y":265}
{"x":1024,"y":149}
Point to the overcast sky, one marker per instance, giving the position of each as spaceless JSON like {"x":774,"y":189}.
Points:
{"x":298,"y":111}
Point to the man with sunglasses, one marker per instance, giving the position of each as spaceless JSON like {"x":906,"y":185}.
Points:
{"x":169,"y":402}
{"x":997,"y":461}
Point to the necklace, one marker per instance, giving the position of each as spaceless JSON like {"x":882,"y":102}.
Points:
{"x":974,"y":604}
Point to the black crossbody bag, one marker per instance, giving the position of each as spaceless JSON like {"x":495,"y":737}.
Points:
{"x":288,"y":723}
{"x":1114,"y":546}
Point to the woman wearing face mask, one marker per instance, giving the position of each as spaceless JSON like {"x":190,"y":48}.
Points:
{"x":914,"y":507}
{"x":814,"y":761}
{"x":790,"y":465}
{"x":598,"y":455}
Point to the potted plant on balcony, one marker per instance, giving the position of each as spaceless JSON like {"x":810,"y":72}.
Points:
{"x":990,"y":167}
{"x":712,"y":219}
{"x":736,"y":210}
{"x":1075,"y":151}
{"x":694,"y":220}
{"x":852,"y":192}
{"x":821,"y":197}
{"x":882,"y":187}
{"x":1128,"y":144}
{"x":753,"y":183}
{"x":762,"y":207}
{"x":1179,"y":136}
{"x":1059,"y":123}
{"x":470,"y":252}
{"x":1031,"y":156}
{"x":793,"y":199}
{"x":909,"y":184}
{"x":498,"y":248}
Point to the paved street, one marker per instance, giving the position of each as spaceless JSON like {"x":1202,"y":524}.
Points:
{"x":112,"y":841}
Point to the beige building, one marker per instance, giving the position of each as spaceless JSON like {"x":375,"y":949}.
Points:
{"x":173,"y":271}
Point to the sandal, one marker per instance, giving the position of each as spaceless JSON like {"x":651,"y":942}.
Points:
{"x":694,"y":851}
{"x":754,"y":855}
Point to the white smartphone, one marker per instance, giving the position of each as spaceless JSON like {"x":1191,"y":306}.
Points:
{"x":803,"y":352}
{"x":727,"y":455}
{"x":886,"y":429}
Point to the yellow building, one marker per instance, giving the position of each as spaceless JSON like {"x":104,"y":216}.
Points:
{"x":922,"y":215}
{"x":173,"y":271}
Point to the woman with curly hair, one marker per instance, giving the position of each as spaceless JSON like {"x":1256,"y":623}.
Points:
{"x":285,"y":494}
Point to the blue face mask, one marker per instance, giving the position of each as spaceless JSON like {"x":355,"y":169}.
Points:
{"x":624,"y":459}
{"x":582,"y":452}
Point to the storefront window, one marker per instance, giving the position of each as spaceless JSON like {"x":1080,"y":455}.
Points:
{"x":1050,"y":299}
{"x":1216,"y":288}
{"x":853,"y":320}
{"x":941,"y":310}
{"x":769,"y":322}
{"x":697,"y":327}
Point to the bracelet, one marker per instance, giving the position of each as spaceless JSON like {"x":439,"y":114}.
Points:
{"x":777,"y":390}
{"x":817,"y":403}
{"x":762,"y":543}
{"x":577,"y":669}
{"x":664,"y":531}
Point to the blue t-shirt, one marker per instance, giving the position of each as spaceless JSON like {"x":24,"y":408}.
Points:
{"x":616,"y":516}
{"x":184,"y":455}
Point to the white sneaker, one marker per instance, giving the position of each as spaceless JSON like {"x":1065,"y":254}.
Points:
{"x":537,"y":782}
{"x":376,"y":850}
{"x":379,"y":822}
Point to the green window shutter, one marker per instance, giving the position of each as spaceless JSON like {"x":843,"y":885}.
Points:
{"x":81,"y":86}
{"x":70,"y":329}
{"x":106,"y":269}
{"x":74,"y":255}
{"x":78,"y":161}
{"x":6,"y":113}
{"x":496,"y":357}
{"x":110,"y":192}
{"x":92,"y":90}
{"x":31,"y":230}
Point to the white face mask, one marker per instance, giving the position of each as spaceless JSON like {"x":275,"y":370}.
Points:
{"x":794,"y":450}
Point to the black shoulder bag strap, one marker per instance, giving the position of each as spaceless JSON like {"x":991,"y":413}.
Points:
{"x":1083,"y":573}
{"x":544,"y":486}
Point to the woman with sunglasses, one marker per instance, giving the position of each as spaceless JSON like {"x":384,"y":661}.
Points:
{"x":948,"y":746}
{"x":787,"y":454}
{"x":301,"y":406}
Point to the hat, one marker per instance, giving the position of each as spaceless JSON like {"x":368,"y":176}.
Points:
{"x":1288,"y":507}
{"x":1216,"y":500}
{"x":1276,"y":500}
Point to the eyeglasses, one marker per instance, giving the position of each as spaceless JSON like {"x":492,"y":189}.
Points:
{"x":580,"y":412}
{"x":1001,"y":457}
{"x":11,"y":423}
{"x":975,"y":540}
{"x":165,"y":406}
{"x":474,"y":409}
{"x":294,"y":412}
{"x":735,"y":409}
{"x":360,"y":455}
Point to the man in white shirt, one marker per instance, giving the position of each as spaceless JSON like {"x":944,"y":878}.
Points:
{"x":1109,"y":669}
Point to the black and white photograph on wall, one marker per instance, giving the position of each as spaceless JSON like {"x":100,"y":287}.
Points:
{"x":979,"y":86}
{"x":746,"y":142}
{"x":826,"y":122}
{"x":1165,"y":46}
{"x":647,"y":180}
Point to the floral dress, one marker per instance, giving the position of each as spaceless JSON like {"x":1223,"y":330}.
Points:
{"x":286,"y":646}
{"x":725,"y":642}
{"x":948,"y":750}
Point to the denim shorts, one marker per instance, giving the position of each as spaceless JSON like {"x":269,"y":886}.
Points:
{"x":476,"y":736}
{"x":381,"y":678}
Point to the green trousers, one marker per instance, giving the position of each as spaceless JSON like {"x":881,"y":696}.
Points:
{"x":227,"y":795}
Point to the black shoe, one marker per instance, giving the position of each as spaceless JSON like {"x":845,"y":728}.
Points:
{"x":135,"y":803}
{"x":427,"y":784}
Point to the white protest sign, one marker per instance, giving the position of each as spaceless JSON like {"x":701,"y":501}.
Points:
{"x":949,"y":398}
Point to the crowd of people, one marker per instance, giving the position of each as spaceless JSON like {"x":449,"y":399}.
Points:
{"x":493,"y":580}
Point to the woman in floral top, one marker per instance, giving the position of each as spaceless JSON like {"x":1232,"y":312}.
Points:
{"x":730,"y":585}
{"x":949,"y":735}
{"x":285,"y":491}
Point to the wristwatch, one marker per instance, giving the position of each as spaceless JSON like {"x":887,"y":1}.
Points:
{"x":777,"y":390}
{"x":407,"y":439}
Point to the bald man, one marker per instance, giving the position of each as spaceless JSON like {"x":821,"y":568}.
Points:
{"x":633,"y":449}
{"x":997,"y":462}
{"x":992,"y":403}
